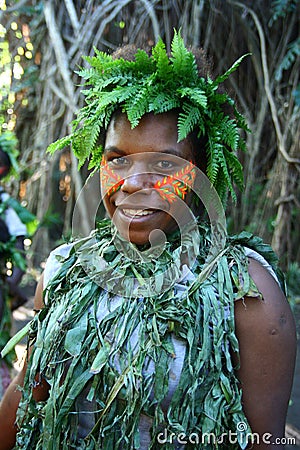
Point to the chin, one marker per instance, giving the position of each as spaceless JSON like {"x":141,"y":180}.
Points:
{"x":137,"y":238}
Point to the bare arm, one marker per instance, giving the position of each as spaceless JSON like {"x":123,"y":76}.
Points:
{"x":11,"y":399}
{"x":267,"y":338}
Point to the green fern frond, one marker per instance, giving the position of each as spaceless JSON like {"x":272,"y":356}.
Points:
{"x":281,"y":8}
{"x":86,"y":73}
{"x":225,"y":174}
{"x":213,"y":149}
{"x":100,"y":57}
{"x":162,"y":61}
{"x":144,"y":63}
{"x":291,"y":55}
{"x":187,"y":120}
{"x":105,"y":82}
{"x":240,"y":119}
{"x":85,"y":142}
{"x":201,"y":126}
{"x":80,"y":150}
{"x":242,"y":144}
{"x":160,"y":101}
{"x":222,"y":188}
{"x":198,"y":96}
{"x":118,"y":95}
{"x":221,"y":78}
{"x":105,"y":115}
{"x":183,"y":62}
{"x":96,"y":157}
{"x":236,"y":168}
{"x":230,"y":133}
{"x":98,"y":63}
{"x":60,"y":144}
{"x":136,"y":106}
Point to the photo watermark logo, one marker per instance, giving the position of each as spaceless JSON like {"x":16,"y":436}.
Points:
{"x":242,"y":437}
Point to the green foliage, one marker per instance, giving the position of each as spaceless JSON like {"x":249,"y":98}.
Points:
{"x":221,"y":78}
{"x":59,"y":144}
{"x":188,"y":119}
{"x":9,"y":143}
{"x":51,"y":218}
{"x":293,"y":283}
{"x":162,"y":101}
{"x":296,"y":94}
{"x":280,"y":8}
{"x":25,"y":216}
{"x":159,"y":83}
{"x":290,"y":57}
{"x":9,"y":252}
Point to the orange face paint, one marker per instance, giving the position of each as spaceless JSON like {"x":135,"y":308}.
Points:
{"x":177,"y":185}
{"x":109,"y":178}
{"x":169,"y":188}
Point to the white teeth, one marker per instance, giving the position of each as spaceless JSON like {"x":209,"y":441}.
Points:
{"x":138,"y":212}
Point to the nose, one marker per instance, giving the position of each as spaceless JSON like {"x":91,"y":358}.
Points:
{"x":137,"y":180}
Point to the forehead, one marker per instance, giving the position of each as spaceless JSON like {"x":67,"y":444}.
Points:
{"x":154,"y":133}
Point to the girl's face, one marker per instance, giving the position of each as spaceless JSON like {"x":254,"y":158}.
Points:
{"x":139,"y":175}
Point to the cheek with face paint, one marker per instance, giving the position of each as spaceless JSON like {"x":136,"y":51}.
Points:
{"x":110,"y":181}
{"x":170,"y":188}
{"x":177,"y":185}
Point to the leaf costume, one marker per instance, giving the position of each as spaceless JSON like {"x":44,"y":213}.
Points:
{"x":97,"y":360}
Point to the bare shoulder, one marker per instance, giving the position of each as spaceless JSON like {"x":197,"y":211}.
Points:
{"x":265,"y":329}
{"x":271,"y":315}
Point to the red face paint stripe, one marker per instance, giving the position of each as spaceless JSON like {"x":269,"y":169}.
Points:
{"x":109,"y":178}
{"x":171,"y":187}
{"x":177,"y":185}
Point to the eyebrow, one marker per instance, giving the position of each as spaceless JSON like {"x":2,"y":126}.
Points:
{"x":113,"y":149}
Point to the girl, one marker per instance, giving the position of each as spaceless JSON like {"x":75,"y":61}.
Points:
{"x":158,"y":330}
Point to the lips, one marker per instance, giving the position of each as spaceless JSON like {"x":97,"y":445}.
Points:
{"x":137,"y":212}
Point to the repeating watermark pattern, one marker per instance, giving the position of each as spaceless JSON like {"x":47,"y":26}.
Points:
{"x":240,"y":436}
{"x":172,"y":190}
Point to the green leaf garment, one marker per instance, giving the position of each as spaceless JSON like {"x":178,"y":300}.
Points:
{"x":76,"y":353}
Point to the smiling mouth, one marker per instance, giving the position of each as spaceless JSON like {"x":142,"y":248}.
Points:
{"x":138,"y":212}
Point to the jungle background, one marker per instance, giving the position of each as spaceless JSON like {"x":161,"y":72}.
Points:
{"x":41,"y":47}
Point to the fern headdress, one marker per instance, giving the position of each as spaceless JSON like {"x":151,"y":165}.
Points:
{"x":159,"y":83}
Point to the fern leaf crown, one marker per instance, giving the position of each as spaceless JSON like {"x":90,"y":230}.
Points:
{"x":159,"y":83}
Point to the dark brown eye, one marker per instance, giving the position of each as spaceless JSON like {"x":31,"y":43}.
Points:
{"x":164,"y":164}
{"x":120,"y":161}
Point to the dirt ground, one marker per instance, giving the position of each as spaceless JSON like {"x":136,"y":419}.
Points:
{"x":24,"y":313}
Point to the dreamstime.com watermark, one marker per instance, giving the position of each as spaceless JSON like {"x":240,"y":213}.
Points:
{"x":240,"y":436}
